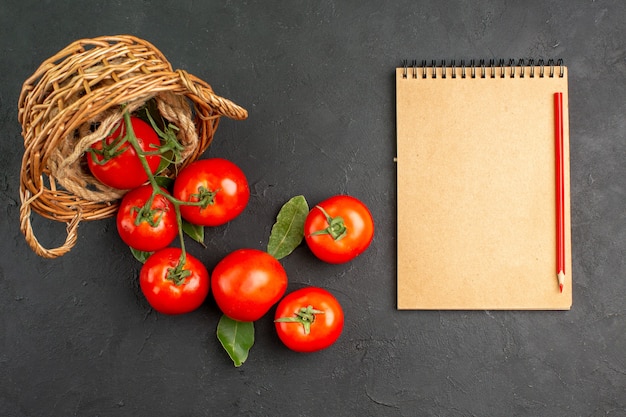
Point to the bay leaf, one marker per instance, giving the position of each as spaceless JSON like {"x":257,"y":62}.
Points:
{"x":164,"y":182}
{"x":288,"y":230}
{"x":236,"y":337}
{"x":141,"y":256}
{"x":194,"y":231}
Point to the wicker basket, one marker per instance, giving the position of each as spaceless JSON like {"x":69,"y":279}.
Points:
{"x":74,"y":99}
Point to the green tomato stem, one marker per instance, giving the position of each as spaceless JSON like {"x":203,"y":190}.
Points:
{"x":205,"y":196}
{"x":132,"y":139}
{"x":305,"y":316}
{"x":109,"y":150}
{"x":336,"y":226}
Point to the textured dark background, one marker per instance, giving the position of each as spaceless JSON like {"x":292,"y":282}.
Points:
{"x":78,"y":339}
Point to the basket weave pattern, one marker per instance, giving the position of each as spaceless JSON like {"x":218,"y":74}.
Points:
{"x":74,"y":99}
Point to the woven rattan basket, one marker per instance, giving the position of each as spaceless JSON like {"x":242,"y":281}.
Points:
{"x":74,"y":99}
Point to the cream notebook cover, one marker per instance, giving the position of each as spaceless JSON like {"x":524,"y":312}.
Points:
{"x":476,"y":196}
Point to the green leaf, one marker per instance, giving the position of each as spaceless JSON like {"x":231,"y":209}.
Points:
{"x":288,"y":231}
{"x":149,"y":113}
{"x":164,"y":182}
{"x":237,"y":337}
{"x":141,"y":256}
{"x":194,"y":231}
{"x":164,"y":163}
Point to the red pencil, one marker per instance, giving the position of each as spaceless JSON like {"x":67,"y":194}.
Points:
{"x":560,"y":189}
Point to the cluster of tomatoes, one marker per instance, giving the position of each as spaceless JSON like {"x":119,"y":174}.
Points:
{"x":246,"y":283}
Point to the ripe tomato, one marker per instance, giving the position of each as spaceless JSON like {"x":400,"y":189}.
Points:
{"x":171,"y":289}
{"x":146,"y":230}
{"x":247,"y":283}
{"x":309,"y":319}
{"x":219,"y":184}
{"x":339,"y":229}
{"x":124,"y":170}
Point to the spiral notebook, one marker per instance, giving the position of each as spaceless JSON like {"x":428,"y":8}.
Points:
{"x":477,"y":170}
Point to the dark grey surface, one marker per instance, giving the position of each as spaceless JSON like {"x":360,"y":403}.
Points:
{"x":78,"y":339}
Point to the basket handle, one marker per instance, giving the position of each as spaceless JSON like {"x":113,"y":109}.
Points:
{"x":204,"y":93}
{"x":27,"y":229}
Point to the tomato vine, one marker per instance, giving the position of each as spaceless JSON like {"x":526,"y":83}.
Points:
{"x":146,"y":213}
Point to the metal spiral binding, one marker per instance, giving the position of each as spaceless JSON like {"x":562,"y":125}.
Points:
{"x":484,"y":69}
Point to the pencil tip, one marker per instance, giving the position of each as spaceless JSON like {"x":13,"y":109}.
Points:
{"x":561,"y":279}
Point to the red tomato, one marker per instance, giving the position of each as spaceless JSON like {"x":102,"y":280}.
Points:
{"x":124,"y":170}
{"x":164,"y":287}
{"x":247,"y":283}
{"x":309,"y":319}
{"x":219,"y":183}
{"x":146,"y":230}
{"x":339,"y":229}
